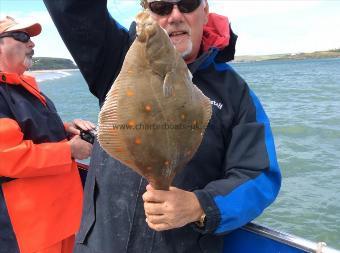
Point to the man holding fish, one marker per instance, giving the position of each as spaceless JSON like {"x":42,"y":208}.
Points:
{"x":233,"y":175}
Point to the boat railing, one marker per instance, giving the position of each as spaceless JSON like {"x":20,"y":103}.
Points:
{"x":291,"y":240}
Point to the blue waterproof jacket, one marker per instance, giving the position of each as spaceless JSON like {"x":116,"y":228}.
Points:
{"x":234,"y":173}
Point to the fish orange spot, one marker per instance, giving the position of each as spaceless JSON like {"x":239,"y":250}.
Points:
{"x":131,"y":123}
{"x":119,"y":149}
{"x":138,"y":141}
{"x":130,"y":93}
{"x":128,"y":162}
{"x":148,"y":108}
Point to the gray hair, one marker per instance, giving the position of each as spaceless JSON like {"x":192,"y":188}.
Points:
{"x":144,"y":3}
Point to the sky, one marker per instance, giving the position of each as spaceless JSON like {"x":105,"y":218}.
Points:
{"x":263,"y":27}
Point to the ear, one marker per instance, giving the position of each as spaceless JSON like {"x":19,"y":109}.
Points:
{"x":206,"y":11}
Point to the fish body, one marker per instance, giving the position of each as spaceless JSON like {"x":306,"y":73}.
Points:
{"x":154,"y":117}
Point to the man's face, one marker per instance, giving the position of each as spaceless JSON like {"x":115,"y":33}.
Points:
{"x":185,"y":29}
{"x":15,"y":56}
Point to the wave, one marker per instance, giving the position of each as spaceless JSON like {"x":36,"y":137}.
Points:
{"x":45,"y":75}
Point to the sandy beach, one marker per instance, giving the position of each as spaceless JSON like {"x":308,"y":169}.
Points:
{"x":35,"y":72}
{"x":49,"y":74}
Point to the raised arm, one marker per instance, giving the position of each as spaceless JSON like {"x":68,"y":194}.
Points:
{"x":95,"y":40}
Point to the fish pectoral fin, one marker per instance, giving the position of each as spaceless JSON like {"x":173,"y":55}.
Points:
{"x":168,"y":85}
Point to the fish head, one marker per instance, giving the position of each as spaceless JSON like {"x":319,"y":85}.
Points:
{"x":146,"y":27}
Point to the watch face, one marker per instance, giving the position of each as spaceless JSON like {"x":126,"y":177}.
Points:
{"x":201,"y":222}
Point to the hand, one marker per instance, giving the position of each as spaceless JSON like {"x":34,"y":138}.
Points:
{"x":80,"y":149}
{"x":71,"y":127}
{"x":170,"y":209}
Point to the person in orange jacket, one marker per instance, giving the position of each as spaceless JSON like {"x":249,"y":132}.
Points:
{"x":40,"y":187}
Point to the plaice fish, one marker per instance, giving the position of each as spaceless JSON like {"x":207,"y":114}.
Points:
{"x":154,"y":117}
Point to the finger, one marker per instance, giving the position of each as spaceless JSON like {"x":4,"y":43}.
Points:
{"x":89,"y":125}
{"x":156,"y":219}
{"x":158,"y":227}
{"x":153,"y":208}
{"x":73,"y":130}
{"x":153,"y":196}
{"x":172,"y":188}
{"x":83,"y":124}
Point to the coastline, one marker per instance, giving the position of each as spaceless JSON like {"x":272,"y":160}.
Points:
{"x":50,"y":71}
{"x":50,"y":74}
{"x":288,"y":57}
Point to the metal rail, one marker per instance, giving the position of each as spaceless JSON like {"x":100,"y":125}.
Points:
{"x":290,"y":240}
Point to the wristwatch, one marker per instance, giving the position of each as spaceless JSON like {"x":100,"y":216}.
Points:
{"x":201,"y":222}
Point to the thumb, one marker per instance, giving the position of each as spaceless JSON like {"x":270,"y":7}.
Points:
{"x":172,"y":188}
{"x":149,"y":187}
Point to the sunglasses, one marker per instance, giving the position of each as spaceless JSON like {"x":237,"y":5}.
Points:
{"x":163,"y":8}
{"x":19,"y":36}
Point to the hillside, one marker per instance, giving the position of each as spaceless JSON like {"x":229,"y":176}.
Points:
{"x":49,"y":63}
{"x":334,"y":53}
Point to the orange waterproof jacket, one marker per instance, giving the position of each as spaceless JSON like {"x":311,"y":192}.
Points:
{"x":41,"y":188}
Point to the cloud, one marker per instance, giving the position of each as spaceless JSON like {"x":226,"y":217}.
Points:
{"x":269,"y":27}
{"x":263,"y":27}
{"x":125,"y":10}
{"x":244,"y":8}
{"x":41,"y":17}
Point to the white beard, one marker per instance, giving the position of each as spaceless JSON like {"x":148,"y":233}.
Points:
{"x":187,"y":51}
{"x":28,"y":62}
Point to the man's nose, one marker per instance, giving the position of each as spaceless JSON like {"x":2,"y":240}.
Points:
{"x":175,"y":15}
{"x":30,"y":44}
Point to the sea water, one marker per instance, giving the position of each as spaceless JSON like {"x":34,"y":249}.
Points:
{"x":302,"y":100}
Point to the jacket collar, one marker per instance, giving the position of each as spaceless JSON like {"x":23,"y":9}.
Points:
{"x":217,"y":34}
